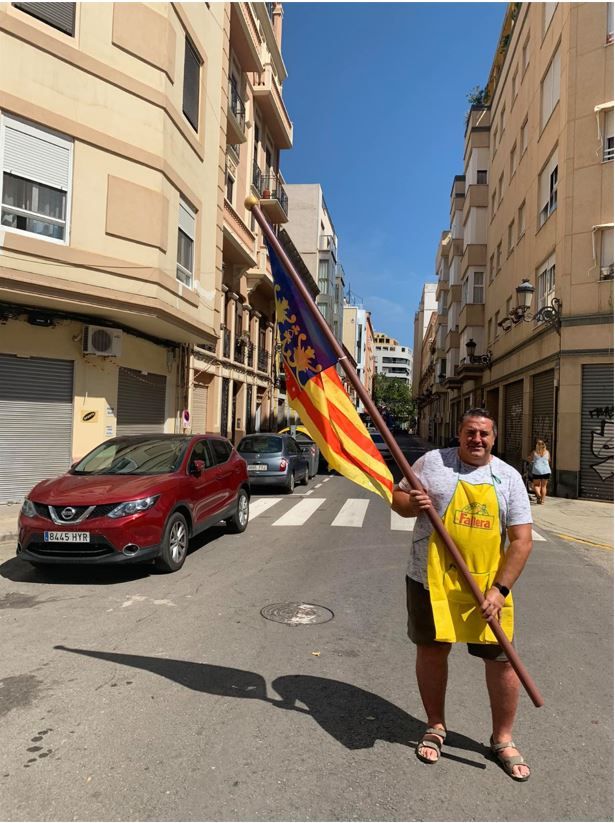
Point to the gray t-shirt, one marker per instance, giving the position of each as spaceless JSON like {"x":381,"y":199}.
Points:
{"x":439,"y":470}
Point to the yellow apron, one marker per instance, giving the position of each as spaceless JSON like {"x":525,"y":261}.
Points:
{"x":472,"y":519}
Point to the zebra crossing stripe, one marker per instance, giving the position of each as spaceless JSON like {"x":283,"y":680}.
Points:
{"x":261,"y":505}
{"x":401,"y":524}
{"x":538,"y":537}
{"x":352,"y":513}
{"x":300,"y":512}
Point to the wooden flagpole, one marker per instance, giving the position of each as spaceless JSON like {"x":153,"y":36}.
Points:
{"x":524,"y":676}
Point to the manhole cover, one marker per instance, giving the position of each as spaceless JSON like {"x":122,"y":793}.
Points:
{"x":297,"y":614}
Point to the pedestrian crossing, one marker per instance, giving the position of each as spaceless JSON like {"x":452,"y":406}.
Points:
{"x":351,"y":515}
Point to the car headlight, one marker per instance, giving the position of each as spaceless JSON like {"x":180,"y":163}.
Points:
{"x":27,"y":508}
{"x":133,"y":507}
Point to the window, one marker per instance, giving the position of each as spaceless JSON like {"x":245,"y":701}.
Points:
{"x":521,"y":221}
{"x":222,"y":450}
{"x":323,"y":276}
{"x":59,"y":15}
{"x":513,"y":160}
{"x":549,"y":11}
{"x":607,"y":153}
{"x":511,"y":236}
{"x":609,"y":22}
{"x":495,"y":141}
{"x":479,"y":287}
{"x":547,"y":190}
{"x":481,"y":177}
{"x":525,"y":54}
{"x":502,"y":122}
{"x":185,"y":243}
{"x":515,"y":90}
{"x":192,"y":80}
{"x":491,"y":267}
{"x":36,"y":176}
{"x":550,"y":89}
{"x":509,"y":305}
{"x":490,"y":330}
{"x":493,"y":196}
{"x":523,"y":138}
{"x":230,"y":186}
{"x":501,"y":188}
{"x":546,"y":282}
{"x":496,"y":324}
{"x":606,"y":254}
{"x":200,"y":452}
{"x":498,"y":257}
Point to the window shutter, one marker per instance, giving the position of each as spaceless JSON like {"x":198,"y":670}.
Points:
{"x":192,"y":72}
{"x":187,"y":219}
{"x":608,"y":123}
{"x":36,"y":154}
{"x":59,"y":15}
{"x":543,"y":185}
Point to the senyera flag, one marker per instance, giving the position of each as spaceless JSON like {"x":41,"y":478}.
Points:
{"x":316,"y":393}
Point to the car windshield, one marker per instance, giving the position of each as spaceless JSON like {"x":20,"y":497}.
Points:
{"x":155,"y":456}
{"x":262,"y":443}
{"x":377,"y":438}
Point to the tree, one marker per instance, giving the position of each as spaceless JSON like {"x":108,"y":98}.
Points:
{"x":393,"y":398}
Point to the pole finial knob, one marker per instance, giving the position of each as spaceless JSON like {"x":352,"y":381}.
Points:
{"x":251,"y":201}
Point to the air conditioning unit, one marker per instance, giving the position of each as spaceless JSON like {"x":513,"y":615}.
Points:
{"x":102,"y":341}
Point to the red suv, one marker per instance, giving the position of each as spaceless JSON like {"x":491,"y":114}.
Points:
{"x":136,"y":498}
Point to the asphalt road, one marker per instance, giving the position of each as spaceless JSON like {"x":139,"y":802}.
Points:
{"x":131,"y":695}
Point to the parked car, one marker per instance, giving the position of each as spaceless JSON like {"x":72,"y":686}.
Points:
{"x":274,"y":460}
{"x":136,"y":498}
{"x":307,"y":446}
{"x":379,"y":443}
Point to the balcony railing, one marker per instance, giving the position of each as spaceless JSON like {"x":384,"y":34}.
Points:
{"x":226,"y":343}
{"x":263,"y":361}
{"x":250,"y":355}
{"x":272,"y":189}
{"x":239,"y":354}
{"x":257,"y":177}
{"x":237,"y":107}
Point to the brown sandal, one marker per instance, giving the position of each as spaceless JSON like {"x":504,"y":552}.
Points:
{"x":435,"y":745}
{"x":507,"y":763}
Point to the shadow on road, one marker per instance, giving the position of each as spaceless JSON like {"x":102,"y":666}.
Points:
{"x":353,"y":716}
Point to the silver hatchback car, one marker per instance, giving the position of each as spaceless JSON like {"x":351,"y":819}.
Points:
{"x":274,"y":460}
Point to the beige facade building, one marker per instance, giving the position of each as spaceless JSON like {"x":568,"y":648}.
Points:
{"x":358,"y":339}
{"x":133,"y":284}
{"x":532,"y":217}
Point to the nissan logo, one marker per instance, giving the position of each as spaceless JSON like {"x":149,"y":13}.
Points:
{"x":68,"y":513}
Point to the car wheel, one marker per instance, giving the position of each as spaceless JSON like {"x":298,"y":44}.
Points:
{"x":174,"y":544}
{"x":290,"y":486}
{"x":238,"y":522}
{"x":306,"y":476}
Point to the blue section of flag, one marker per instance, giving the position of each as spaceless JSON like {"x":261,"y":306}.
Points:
{"x":305,"y":351}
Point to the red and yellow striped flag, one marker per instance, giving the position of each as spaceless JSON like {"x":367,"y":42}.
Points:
{"x":316,"y":393}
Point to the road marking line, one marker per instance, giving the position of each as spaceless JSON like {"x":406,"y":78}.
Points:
{"x":326,"y":479}
{"x":311,"y":491}
{"x":261,"y":505}
{"x":401,"y":524}
{"x":352,"y":512}
{"x":300,"y":512}
{"x":318,"y":485}
{"x":538,"y":537}
{"x":586,"y":542}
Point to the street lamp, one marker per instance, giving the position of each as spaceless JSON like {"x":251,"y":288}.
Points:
{"x":550,"y":314}
{"x":482,"y":359}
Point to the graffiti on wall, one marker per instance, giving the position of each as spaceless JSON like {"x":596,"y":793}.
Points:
{"x":601,"y":443}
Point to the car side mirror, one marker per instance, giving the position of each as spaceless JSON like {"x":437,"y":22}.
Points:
{"x":198,"y":467}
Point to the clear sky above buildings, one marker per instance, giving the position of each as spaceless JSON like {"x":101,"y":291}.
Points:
{"x":377,"y":93}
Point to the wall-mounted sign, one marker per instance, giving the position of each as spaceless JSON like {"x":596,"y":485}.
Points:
{"x":186,"y":419}
{"x":89,"y":416}
{"x":109,"y":431}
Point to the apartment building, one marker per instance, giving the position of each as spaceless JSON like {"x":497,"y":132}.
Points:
{"x":110,"y":135}
{"x":358,"y":339}
{"x":391,"y":359}
{"x":420,"y":363}
{"x":311,"y":228}
{"x":528,"y":288}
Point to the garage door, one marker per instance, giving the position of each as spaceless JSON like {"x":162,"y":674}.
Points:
{"x":36,"y":421}
{"x":513,"y":424}
{"x":597,"y":433}
{"x":141,"y":403}
{"x":199,"y":408}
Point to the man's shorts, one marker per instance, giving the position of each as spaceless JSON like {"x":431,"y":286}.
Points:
{"x":422,"y":629}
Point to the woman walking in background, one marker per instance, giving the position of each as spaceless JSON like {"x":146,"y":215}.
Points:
{"x":540,"y":469}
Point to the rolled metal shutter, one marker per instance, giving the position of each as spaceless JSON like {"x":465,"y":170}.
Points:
{"x":59,"y":15}
{"x":36,"y":153}
{"x":199,"y":408}
{"x":542,"y":408}
{"x":36,"y":422}
{"x":141,"y":403}
{"x":596,"y":480}
{"x":513,"y":424}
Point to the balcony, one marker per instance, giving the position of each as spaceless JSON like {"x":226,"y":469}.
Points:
{"x":235,"y":118}
{"x":250,"y":355}
{"x":239,"y":243}
{"x":476,"y":198}
{"x":475,"y":254}
{"x":246,"y":40}
{"x":269,"y":99}
{"x":257,"y":177}
{"x":262,"y":362}
{"x":328,"y":242}
{"x":274,"y":200}
{"x":471,"y":315}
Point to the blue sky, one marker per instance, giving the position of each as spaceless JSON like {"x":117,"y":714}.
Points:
{"x":377,"y":95}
